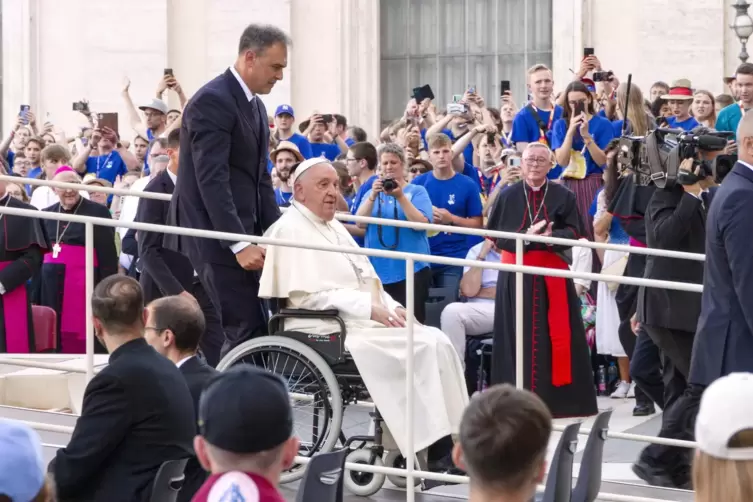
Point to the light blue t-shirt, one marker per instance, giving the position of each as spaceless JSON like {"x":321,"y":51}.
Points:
{"x":460,"y":196}
{"x":729,"y":117}
{"x":398,"y":239}
{"x":356,"y":203}
{"x":601,"y":131}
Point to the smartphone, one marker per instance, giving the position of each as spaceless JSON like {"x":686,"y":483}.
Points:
{"x":457,"y":98}
{"x":417,"y":94}
{"x":580,"y":107}
{"x":169,"y":71}
{"x":24,"y":113}
{"x":513,"y":161}
{"x":426,"y":92}
{"x":504,"y":86}
{"x":108,"y":120}
{"x":472,"y":89}
{"x":588,"y":51}
{"x":327,"y":118}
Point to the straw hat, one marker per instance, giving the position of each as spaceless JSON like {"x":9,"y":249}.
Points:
{"x":286,"y":146}
{"x":680,"y":90}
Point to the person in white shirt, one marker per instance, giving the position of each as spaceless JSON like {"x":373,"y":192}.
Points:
{"x":375,"y":323}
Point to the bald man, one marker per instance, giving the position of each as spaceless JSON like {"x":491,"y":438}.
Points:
{"x":375,"y":322}
{"x":63,"y":283}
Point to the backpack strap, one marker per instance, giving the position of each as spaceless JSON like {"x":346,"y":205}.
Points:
{"x":542,"y":126}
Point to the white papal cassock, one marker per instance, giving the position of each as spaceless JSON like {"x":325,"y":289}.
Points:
{"x":320,"y":280}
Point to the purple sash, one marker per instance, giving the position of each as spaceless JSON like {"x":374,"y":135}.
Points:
{"x":16,"y":318}
{"x":73,"y":309}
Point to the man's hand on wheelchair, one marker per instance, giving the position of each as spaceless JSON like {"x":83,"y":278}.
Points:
{"x":384,"y":316}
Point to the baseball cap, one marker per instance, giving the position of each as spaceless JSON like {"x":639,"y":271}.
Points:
{"x":21,"y":463}
{"x":726,"y":409}
{"x":285,"y":109}
{"x":286,"y":146}
{"x":245,"y":410}
{"x":155,"y":104}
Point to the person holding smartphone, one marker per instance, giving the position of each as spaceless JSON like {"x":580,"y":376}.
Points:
{"x":392,"y":197}
{"x":578,"y":140}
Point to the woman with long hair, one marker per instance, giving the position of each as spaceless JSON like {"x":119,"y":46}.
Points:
{"x":704,"y":108}
{"x":579,"y":139}
{"x":638,"y":121}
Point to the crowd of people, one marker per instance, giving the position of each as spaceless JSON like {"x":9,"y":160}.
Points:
{"x":550,"y":167}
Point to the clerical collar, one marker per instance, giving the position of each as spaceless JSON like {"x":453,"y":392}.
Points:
{"x":74,"y":208}
{"x":536,"y":189}
{"x":308,"y":213}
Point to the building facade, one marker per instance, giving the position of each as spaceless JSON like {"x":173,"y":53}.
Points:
{"x":360,"y":58}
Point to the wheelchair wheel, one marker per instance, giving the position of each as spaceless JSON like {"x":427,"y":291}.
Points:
{"x":396,"y":460}
{"x":314,"y":391}
{"x":360,"y":483}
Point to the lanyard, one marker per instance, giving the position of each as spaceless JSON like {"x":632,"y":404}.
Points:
{"x":104,"y":164}
{"x":506,"y":139}
{"x":542,"y":138}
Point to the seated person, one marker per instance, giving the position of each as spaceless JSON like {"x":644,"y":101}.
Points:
{"x":319,"y":280}
{"x":502,"y":446}
{"x":475,"y":316}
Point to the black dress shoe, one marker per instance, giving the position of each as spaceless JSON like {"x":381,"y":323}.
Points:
{"x":654,"y":476}
{"x":644,"y":410}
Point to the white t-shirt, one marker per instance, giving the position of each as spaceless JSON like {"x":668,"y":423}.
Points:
{"x":44,"y":197}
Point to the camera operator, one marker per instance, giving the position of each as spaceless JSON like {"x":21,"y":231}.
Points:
{"x":392,"y":197}
{"x":675,"y":220}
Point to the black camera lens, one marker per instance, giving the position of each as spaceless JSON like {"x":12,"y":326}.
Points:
{"x":389,"y":184}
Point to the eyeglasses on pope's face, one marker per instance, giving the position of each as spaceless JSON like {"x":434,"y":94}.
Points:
{"x":532,"y":161}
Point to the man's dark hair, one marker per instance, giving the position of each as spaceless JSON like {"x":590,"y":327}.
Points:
{"x":183,"y":317}
{"x":358,"y":134}
{"x":118,"y":303}
{"x":173,"y":139}
{"x":258,"y":37}
{"x":341,"y":120}
{"x":160,"y":140}
{"x":366,"y":151}
{"x":659,"y":83}
{"x":37,"y":140}
{"x":744,"y":69}
{"x":724,"y":100}
{"x":504,"y":435}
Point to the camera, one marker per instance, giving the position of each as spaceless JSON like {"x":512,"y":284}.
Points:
{"x":603,"y":76}
{"x":656,"y":158}
{"x":80,"y":106}
{"x":389,"y":184}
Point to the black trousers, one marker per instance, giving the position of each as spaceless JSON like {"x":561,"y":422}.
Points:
{"x":235,"y":293}
{"x":421,"y":282}
{"x":214,"y":337}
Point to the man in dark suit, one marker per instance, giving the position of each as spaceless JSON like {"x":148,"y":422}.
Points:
{"x":675,"y":220}
{"x":224,"y":184}
{"x":137,"y":411}
{"x":166,"y":272}
{"x":175,"y":325}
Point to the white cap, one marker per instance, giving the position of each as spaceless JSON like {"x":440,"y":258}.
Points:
{"x":155,"y":104}
{"x":305,"y":166}
{"x":726,"y":409}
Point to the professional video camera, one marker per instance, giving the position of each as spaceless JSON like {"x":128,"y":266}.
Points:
{"x":656,"y":158}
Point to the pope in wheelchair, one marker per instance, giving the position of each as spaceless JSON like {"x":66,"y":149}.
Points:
{"x":335,"y":312}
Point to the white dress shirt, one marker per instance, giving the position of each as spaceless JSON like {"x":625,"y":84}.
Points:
{"x":240,"y":246}
{"x":180,"y":363}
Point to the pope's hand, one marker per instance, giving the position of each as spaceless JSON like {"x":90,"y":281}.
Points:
{"x":384,"y":316}
{"x":251,"y":258}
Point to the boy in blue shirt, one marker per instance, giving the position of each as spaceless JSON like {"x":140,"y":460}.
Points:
{"x":729,"y":117}
{"x":533,"y":123}
{"x":319,"y":147}
{"x":456,"y":202}
{"x":679,"y":99}
{"x":284,"y":120}
{"x":361,"y":162}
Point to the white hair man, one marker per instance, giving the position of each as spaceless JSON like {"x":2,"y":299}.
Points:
{"x":319,"y":280}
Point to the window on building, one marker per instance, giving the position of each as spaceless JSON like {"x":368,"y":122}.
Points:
{"x":453,"y":44}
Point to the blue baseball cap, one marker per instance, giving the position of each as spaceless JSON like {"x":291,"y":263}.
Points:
{"x":284,"y":109}
{"x":21,"y":462}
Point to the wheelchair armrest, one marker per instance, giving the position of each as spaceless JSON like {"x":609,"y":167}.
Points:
{"x":310,"y":313}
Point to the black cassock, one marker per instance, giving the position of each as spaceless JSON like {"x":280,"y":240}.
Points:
{"x":22,"y":244}
{"x":556,"y":361}
{"x":63,"y":284}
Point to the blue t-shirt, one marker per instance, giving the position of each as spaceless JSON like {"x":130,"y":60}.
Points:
{"x":357,"y":199}
{"x":302,"y":143}
{"x":282,"y":198}
{"x":350,"y":141}
{"x":11,"y":157}
{"x":107,"y":167}
{"x":32,"y":173}
{"x":686,"y":125}
{"x":407,"y":239}
{"x":602,"y":133}
{"x":617,"y":234}
{"x":525,"y":129}
{"x":327,"y":150}
{"x":459,"y":195}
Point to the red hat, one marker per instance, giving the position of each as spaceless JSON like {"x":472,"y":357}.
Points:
{"x":680,"y":90}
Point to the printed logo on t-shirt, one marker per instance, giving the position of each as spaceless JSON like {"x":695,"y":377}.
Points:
{"x":234,"y":487}
{"x":451,"y":201}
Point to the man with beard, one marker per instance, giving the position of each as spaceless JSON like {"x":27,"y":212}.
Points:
{"x":284,"y":157}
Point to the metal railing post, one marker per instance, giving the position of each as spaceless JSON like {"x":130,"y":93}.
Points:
{"x":410,"y":312}
{"x":519,"y":278}
{"x":89,"y":242}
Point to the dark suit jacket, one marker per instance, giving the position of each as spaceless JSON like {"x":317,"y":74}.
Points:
{"x":137,"y":414}
{"x":197,"y":374}
{"x":164,"y":272}
{"x":223,"y":184}
{"x":674,"y":221}
{"x":724,"y":339}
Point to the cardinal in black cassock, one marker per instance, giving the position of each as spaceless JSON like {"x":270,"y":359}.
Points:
{"x":556,"y":360}
{"x":22,"y":244}
{"x":63,"y":285}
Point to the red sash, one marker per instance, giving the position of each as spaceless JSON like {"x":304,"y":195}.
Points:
{"x":558,"y":315}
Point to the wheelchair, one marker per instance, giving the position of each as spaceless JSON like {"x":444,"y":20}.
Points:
{"x":322,"y":380}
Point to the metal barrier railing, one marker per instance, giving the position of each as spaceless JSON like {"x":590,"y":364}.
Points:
{"x":519,"y":269}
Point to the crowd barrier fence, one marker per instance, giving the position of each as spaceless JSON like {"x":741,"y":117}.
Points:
{"x":519,"y":269}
